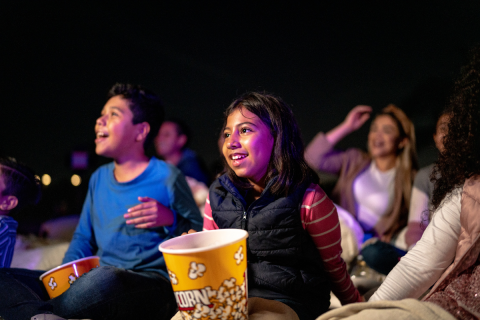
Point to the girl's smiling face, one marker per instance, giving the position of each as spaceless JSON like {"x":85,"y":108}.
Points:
{"x":248,"y":146}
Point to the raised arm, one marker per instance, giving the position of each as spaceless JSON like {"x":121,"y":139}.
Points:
{"x":354,"y":120}
{"x":319,"y":152}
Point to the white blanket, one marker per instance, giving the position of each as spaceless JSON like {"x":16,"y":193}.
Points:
{"x":407,"y":309}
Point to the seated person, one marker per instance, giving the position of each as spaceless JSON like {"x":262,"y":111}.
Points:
{"x":294,"y":251}
{"x":383,"y":257}
{"x":133,"y":204}
{"x":172,"y":143}
{"x":448,"y":254}
{"x":375,"y":187}
{"x":422,"y":190}
{"x":18,"y":187}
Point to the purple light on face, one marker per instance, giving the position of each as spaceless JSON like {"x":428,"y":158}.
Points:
{"x":75,"y":268}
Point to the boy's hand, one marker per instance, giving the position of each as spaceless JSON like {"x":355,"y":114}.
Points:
{"x":149,"y":214}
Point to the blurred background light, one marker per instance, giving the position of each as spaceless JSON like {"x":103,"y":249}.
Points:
{"x":46,"y":179}
{"x":76,"y":180}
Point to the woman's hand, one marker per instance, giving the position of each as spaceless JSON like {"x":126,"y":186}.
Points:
{"x":149,"y":214}
{"x":357,"y":117}
{"x":354,"y":120}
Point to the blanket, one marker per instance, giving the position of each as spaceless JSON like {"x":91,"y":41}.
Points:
{"x":407,"y":309}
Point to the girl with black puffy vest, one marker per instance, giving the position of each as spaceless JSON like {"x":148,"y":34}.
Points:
{"x":269,"y":190}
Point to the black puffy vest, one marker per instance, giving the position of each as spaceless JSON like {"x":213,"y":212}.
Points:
{"x":283,"y":262}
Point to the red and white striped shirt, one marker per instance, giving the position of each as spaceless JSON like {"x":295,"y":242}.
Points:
{"x":320,"y":219}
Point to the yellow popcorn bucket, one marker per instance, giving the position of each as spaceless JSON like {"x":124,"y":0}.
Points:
{"x":208,"y":272}
{"x":59,"y":279}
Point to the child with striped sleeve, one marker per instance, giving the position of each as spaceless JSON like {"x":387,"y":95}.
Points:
{"x":269,"y":190}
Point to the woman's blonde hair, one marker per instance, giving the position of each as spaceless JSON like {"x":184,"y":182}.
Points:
{"x":407,"y":164}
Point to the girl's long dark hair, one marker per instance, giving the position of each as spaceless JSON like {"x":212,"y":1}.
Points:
{"x":287,"y":159}
{"x":461,"y":158}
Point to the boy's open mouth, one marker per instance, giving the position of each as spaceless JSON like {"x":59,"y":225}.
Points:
{"x":100,"y":136}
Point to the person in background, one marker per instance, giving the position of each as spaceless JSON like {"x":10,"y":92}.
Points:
{"x":375,"y":187}
{"x":133,"y":204}
{"x":448,"y":254}
{"x":269,"y":190}
{"x":422,"y":190}
{"x":19,"y":187}
{"x":172,"y":143}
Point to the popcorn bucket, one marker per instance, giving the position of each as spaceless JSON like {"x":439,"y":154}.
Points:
{"x":208,"y":273}
{"x":59,"y":279}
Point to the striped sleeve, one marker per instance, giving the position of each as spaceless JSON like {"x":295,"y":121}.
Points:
{"x":208,"y":223}
{"x":320,"y":220}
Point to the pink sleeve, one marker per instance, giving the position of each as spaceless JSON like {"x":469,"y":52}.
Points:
{"x":208,"y":223}
{"x":320,"y":220}
{"x":321,"y":155}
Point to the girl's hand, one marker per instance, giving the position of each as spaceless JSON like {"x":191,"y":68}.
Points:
{"x":149,"y":214}
{"x":357,"y":117}
{"x":189,"y":231}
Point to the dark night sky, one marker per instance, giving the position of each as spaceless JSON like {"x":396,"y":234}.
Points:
{"x":58,"y":63}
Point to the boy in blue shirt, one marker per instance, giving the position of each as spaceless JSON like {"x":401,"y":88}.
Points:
{"x":133,"y":204}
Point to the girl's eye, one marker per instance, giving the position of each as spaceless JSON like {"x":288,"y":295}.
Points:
{"x":245,"y":130}
{"x":226,"y":135}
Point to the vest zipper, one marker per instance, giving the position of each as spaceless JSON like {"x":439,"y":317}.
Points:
{"x":244,"y":221}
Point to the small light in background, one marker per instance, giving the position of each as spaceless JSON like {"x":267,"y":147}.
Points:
{"x":46,"y":179}
{"x":76,"y":180}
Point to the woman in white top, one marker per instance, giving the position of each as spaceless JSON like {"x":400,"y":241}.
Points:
{"x":375,"y":187}
{"x":448,"y":254}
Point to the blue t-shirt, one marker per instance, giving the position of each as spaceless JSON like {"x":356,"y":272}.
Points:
{"x":8,"y":233}
{"x":102,"y":229}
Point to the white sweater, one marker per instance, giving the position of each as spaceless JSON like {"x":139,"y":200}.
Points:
{"x":421,"y":267}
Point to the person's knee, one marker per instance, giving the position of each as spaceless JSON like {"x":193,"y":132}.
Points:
{"x":97,"y":279}
{"x":372,"y":252}
{"x":381,"y":257}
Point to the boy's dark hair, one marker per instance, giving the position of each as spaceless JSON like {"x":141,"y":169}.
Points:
{"x":182,"y":128}
{"x":145,"y":106}
{"x":20,"y":181}
{"x":287,"y":160}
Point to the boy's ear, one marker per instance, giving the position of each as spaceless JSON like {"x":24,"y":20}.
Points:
{"x":8,"y":203}
{"x":143,"y":130}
